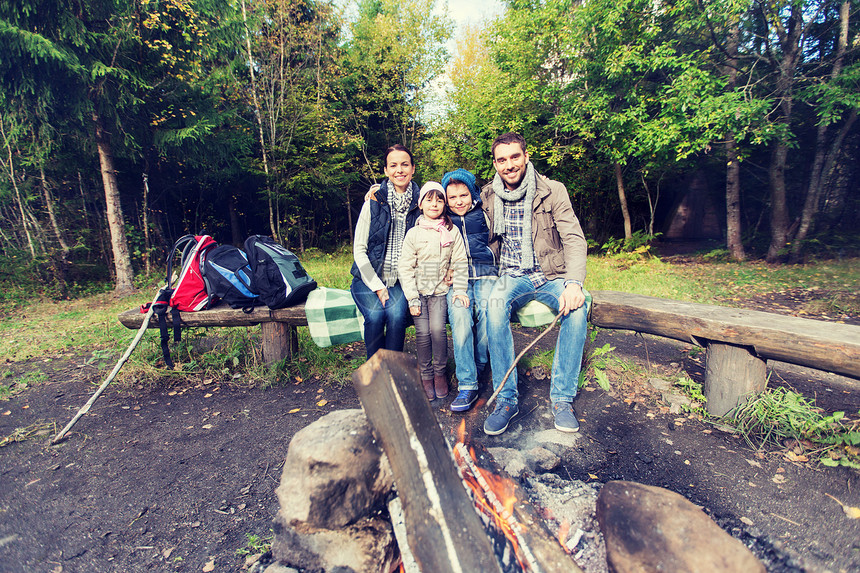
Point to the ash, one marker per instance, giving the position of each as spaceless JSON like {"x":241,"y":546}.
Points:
{"x":570,"y":502}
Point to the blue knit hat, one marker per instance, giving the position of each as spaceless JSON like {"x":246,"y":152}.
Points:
{"x":462,"y":176}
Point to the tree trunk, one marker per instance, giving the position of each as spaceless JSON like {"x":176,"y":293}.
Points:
{"x":622,"y":197}
{"x":147,"y":241}
{"x":789,"y":40}
{"x":259,"y":117}
{"x":816,"y":177}
{"x":116,"y":221}
{"x":49,"y":205}
{"x":349,"y":217}
{"x":235,"y":225}
{"x":17,"y":191}
{"x":733,"y":167}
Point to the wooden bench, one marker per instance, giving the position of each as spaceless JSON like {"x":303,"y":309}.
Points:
{"x":738,"y":342}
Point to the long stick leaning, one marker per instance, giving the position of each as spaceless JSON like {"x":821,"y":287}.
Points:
{"x":114,"y":372}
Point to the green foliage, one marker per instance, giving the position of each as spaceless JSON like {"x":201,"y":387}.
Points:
{"x":694,"y":391}
{"x":639,"y":243}
{"x":777,"y":415}
{"x":256,"y":544}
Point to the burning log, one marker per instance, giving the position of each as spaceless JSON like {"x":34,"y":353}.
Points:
{"x":443,"y":527}
{"x":444,"y":532}
{"x":536,"y":550}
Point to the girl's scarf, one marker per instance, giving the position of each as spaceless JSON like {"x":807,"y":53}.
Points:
{"x":526,"y":189}
{"x":437,"y":225}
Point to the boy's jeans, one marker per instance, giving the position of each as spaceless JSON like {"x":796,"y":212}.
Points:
{"x":509,"y":294}
{"x":471,"y":354}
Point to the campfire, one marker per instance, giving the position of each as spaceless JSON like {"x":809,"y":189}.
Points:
{"x":486,"y":525}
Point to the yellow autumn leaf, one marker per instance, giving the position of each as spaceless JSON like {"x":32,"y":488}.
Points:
{"x":592,"y":476}
{"x":294,"y":410}
{"x":209,"y":567}
{"x":322,"y":402}
{"x":851,"y":512}
{"x":298,"y":378}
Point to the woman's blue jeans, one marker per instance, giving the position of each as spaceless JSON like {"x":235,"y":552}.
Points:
{"x":384,"y":327}
{"x":509,"y":294}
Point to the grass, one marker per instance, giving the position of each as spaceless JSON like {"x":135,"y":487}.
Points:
{"x":87,"y":327}
{"x":783,"y":418}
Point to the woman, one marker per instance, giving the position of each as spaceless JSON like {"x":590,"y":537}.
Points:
{"x":378,"y":243}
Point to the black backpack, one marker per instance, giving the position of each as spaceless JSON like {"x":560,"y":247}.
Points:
{"x":278,"y":276}
{"x":228,"y":276}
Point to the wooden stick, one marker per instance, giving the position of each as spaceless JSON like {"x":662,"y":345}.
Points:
{"x":111,"y":376}
{"x":520,"y":355}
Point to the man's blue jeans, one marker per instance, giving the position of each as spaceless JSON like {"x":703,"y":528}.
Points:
{"x":384,"y":327}
{"x":471,"y":354}
{"x":509,"y":294}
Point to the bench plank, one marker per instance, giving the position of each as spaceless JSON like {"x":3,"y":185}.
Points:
{"x":224,"y":316}
{"x":823,"y":345}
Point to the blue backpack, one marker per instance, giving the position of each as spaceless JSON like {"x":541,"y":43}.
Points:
{"x":277,"y":275}
{"x":228,"y":276}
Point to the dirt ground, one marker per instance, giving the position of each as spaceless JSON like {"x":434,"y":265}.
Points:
{"x":173,"y":478}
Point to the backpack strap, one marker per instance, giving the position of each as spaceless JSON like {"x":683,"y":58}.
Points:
{"x":159,"y":309}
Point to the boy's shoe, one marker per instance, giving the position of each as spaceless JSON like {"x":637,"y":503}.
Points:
{"x":565,"y":417}
{"x":429,"y":390}
{"x":498,"y":421}
{"x":464,"y":400}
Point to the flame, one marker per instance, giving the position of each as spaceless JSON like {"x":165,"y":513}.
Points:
{"x":461,"y":432}
{"x":494,"y":497}
{"x":563,"y":530}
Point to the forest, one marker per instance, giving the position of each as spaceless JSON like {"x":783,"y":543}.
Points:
{"x":125,"y":124}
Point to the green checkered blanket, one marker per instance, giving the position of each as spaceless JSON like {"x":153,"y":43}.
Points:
{"x":535,"y":313}
{"x":333,"y":317}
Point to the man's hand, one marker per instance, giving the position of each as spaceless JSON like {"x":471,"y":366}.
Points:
{"x":572,"y":298}
{"x":383,"y":296}
{"x":464,"y":300}
{"x":371,"y":193}
{"x":415,"y":310}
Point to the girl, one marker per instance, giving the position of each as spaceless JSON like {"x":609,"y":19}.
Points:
{"x":376,"y":250}
{"x":430,"y":249}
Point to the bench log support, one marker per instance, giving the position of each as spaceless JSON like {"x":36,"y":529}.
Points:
{"x":733,"y":374}
{"x":280,"y":341}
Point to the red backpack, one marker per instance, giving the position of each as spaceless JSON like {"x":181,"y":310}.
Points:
{"x":191,"y":292}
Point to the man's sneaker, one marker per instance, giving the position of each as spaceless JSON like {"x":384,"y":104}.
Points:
{"x":565,"y":417}
{"x":464,"y":400}
{"x":498,"y":421}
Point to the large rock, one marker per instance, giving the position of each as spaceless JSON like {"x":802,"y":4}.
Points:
{"x":367,"y":545}
{"x":334,"y":474}
{"x":649,"y":528}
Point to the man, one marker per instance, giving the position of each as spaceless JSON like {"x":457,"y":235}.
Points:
{"x":543,"y":253}
{"x":470,"y":349}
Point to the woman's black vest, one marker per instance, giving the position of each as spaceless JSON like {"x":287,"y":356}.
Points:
{"x":381,"y":223}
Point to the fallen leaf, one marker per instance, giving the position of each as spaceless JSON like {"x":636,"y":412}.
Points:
{"x":754,"y":463}
{"x":747,"y":520}
{"x":207,"y":426}
{"x":207,"y":395}
{"x":851,"y":512}
{"x":299,"y":379}
{"x":166,"y":553}
{"x":294,"y":410}
{"x":322,"y":402}
{"x":25,"y":407}
{"x":7,"y":412}
{"x":686,"y":462}
{"x":172,"y":393}
{"x":209,"y":567}
{"x":778,"y":478}
{"x":592,"y":476}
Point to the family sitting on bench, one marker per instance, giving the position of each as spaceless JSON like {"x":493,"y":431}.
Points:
{"x":478,"y":260}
